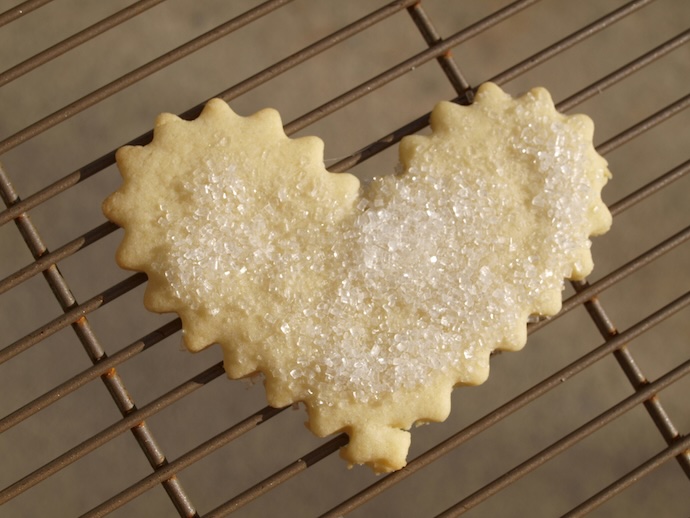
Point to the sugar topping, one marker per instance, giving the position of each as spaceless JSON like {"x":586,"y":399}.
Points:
{"x":345,"y":297}
{"x":427,"y":274}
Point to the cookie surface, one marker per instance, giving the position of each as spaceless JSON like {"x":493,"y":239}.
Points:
{"x":368,"y":304}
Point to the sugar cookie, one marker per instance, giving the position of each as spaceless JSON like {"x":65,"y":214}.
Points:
{"x":367,"y":304}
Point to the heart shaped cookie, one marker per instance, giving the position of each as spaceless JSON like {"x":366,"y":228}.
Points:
{"x":368,"y":304}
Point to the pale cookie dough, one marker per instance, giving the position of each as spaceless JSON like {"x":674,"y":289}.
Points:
{"x":368,"y":304}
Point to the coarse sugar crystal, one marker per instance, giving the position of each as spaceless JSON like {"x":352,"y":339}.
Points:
{"x":425,"y":274}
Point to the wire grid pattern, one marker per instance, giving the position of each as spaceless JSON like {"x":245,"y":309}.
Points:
{"x":178,"y":469}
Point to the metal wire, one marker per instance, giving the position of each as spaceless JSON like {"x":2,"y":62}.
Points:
{"x":138,"y":74}
{"x":75,"y":40}
{"x":71,"y":316}
{"x":95,"y":371}
{"x":75,"y":314}
{"x":512,"y":406}
{"x":568,"y":441}
{"x":132,"y":421}
{"x":629,"y":478}
{"x":435,"y":51}
{"x":20,"y":10}
{"x":91,"y":345}
{"x":249,"y":84}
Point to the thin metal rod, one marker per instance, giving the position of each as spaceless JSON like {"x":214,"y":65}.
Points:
{"x":645,"y":125}
{"x":76,"y":39}
{"x":240,"y":88}
{"x":252,"y":82}
{"x":650,"y":188}
{"x":566,"y":442}
{"x":511,"y":406}
{"x":279,"y":477}
{"x":47,"y":260}
{"x":569,"y":41}
{"x":454,"y":40}
{"x":129,"y":422}
{"x":625,"y":71}
{"x":64,"y":183}
{"x":304,"y":54}
{"x":591,"y":291}
{"x":138,"y":74}
{"x":99,"y":369}
{"x":381,"y":144}
{"x":73,"y":316}
{"x":186,"y":460}
{"x":91,"y":345}
{"x":406,"y":66}
{"x":586,"y":507}
{"x":629,"y":366}
{"x":432,"y":37}
{"x":13,"y":13}
{"x":343,"y":165}
{"x":529,"y":63}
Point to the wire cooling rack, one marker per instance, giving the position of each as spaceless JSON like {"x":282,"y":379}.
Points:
{"x":592,"y":417}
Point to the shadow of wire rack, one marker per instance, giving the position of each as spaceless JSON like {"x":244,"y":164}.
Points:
{"x":103,"y":412}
